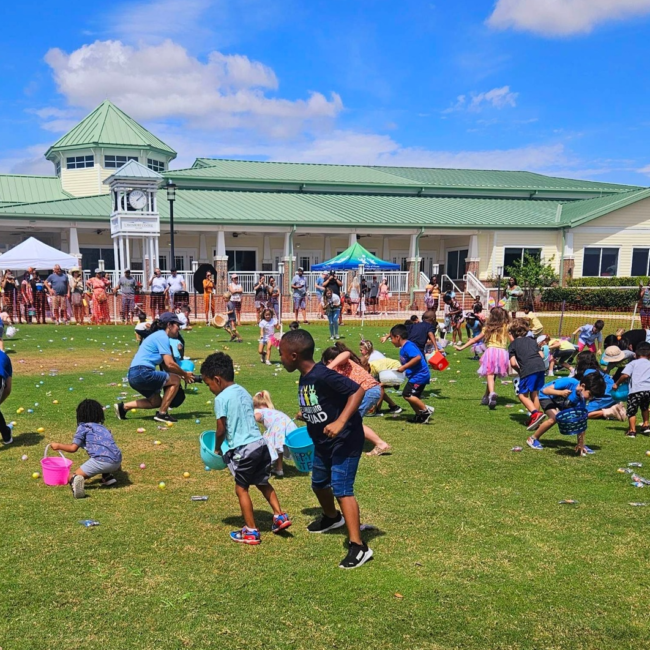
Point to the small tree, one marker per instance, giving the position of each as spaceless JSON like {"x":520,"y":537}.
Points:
{"x":533,"y":275}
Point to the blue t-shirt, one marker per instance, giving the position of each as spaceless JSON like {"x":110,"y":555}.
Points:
{"x":588,"y":336}
{"x":98,"y":442}
{"x":565,"y":383}
{"x":6,"y":370}
{"x":236,"y":405}
{"x":322,"y":395}
{"x":59,"y":283}
{"x":151,"y":350}
{"x":418,"y":374}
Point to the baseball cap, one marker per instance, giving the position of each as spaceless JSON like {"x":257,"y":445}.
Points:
{"x":301,"y":269}
{"x":541,"y":338}
{"x":169,"y":317}
{"x":141,"y":327}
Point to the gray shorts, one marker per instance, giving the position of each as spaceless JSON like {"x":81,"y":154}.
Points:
{"x":250,"y":464}
{"x":92,"y":467}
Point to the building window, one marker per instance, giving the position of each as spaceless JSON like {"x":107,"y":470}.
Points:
{"x":640,"y":258}
{"x":456,"y":263}
{"x":90,"y":258}
{"x":115,"y":162}
{"x":57,"y":167}
{"x":155,"y":165}
{"x":80,"y":162}
{"x":242,"y":260}
{"x":304,"y":263}
{"x":515,"y":255}
{"x":600,"y":262}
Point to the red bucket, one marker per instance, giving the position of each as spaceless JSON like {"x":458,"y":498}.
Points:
{"x":438,"y":361}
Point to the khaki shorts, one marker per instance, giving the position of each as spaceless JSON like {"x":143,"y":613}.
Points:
{"x":58,"y":302}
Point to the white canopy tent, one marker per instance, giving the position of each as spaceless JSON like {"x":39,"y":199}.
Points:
{"x":36,"y":254}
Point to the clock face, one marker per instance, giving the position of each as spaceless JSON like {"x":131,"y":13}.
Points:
{"x":137,"y":199}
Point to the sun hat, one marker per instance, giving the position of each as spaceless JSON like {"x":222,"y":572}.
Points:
{"x":169,"y":317}
{"x":541,"y":338}
{"x":613,"y":354}
{"x":75,"y":269}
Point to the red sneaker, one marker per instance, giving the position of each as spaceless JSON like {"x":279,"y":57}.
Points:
{"x":535,"y":420}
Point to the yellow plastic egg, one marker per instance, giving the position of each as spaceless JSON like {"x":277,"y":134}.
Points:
{"x":40,"y":430}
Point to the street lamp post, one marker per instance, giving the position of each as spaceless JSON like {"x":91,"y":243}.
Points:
{"x":171,"y":197}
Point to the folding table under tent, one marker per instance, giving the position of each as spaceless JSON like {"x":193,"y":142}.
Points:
{"x":356,"y":258}
{"x":36,"y":254}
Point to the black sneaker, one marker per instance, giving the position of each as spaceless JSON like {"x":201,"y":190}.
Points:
{"x":358,"y":554}
{"x":395,"y":410}
{"x":421,"y":417}
{"x":7,"y":438}
{"x":325,"y":523}
{"x":164,"y":417}
{"x":120,"y":411}
{"x":108,"y":480}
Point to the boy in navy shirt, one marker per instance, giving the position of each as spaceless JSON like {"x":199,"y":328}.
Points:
{"x":329,"y":403}
{"x":415,"y":366}
{"x":6,"y":373}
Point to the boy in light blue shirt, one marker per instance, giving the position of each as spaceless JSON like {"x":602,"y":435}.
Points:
{"x":248,"y":457}
{"x":588,"y":335}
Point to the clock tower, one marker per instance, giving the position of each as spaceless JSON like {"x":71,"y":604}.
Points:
{"x":134,"y":214}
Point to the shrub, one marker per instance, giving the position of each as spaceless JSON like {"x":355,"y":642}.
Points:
{"x":607,"y":282}
{"x":591,"y":298}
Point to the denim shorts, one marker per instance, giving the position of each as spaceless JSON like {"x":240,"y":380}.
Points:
{"x":370,"y":400}
{"x":337,"y":472}
{"x":147,"y":381}
{"x":92,"y":467}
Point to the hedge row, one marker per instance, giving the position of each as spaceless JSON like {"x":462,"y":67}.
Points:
{"x":604,"y":298}
{"x":607,"y":282}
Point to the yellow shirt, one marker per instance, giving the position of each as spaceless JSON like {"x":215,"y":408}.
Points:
{"x":536,"y":326}
{"x":383,"y":364}
{"x":499,"y":340}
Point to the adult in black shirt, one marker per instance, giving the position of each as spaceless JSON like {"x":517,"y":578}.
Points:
{"x":261,"y":296}
{"x":334,"y":285}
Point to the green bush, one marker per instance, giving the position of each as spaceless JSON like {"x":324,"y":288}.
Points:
{"x":607,"y":282}
{"x":591,"y":298}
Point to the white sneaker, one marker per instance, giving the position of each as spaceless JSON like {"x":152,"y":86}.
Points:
{"x":268,"y":363}
{"x":78,"y":486}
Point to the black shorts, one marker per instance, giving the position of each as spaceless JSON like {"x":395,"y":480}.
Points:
{"x":636,"y":401}
{"x":413,"y":390}
{"x":563,"y":356}
{"x":250,"y":464}
{"x":556,"y":402}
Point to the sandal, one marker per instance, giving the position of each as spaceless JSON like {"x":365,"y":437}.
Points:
{"x":379,"y":451}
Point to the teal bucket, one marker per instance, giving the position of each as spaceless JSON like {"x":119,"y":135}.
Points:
{"x":209,"y":458}
{"x":187,"y":365}
{"x":302,"y":449}
{"x":622,"y":393}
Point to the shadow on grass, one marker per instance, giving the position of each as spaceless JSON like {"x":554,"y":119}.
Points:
{"x":263,"y":519}
{"x":367,"y":534}
{"x":565,"y":447}
{"x":30,"y":439}
{"x":123,"y":480}
{"x":290,"y":471}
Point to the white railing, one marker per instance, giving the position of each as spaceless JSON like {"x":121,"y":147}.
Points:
{"x":314,"y":277}
{"x":423,"y":281}
{"x":445,"y":280}
{"x":248,"y":279}
{"x":139,"y":277}
{"x":476,"y":288}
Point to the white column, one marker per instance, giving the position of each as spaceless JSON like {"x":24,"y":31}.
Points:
{"x":203,"y":249}
{"x":327,"y":251}
{"x":288,"y":252}
{"x":127,"y":263}
{"x":353,"y":239}
{"x":386,"y":250}
{"x":156,"y":251}
{"x":136,"y":248}
{"x":221,"y":244}
{"x":414,"y":247}
{"x":74,"y":242}
{"x":266,"y":258}
{"x":116,"y":254}
{"x":120,"y":266}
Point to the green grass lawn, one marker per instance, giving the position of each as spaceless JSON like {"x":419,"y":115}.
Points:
{"x":472,"y":549}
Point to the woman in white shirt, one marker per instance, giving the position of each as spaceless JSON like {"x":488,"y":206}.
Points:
{"x":236,"y":291}
{"x":332,"y":307}
{"x":158,"y":286}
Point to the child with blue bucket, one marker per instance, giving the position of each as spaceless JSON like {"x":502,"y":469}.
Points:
{"x":329,"y":404}
{"x":564,"y":394}
{"x":248,"y":457}
{"x":97,"y":441}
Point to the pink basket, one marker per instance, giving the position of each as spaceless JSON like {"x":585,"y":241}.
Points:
{"x":56,"y":471}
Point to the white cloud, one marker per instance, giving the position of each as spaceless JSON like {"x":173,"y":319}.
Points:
{"x":562,"y":17}
{"x":496,"y":98}
{"x":153,"y":82}
{"x":26,"y":161}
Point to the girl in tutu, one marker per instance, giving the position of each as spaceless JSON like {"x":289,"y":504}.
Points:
{"x":495,"y":361}
{"x":276,"y":426}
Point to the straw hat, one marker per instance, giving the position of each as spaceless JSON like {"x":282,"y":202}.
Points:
{"x":613,"y":354}
{"x":75,"y":269}
{"x":218,"y":321}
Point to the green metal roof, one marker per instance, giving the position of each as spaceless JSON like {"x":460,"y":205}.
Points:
{"x":244,"y":209}
{"x":108,"y":126}
{"x":19,"y":188}
{"x":134,"y":169}
{"x":205,"y":169}
{"x":577,"y":212}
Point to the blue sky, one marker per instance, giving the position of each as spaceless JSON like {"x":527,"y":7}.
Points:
{"x":555,"y":86}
